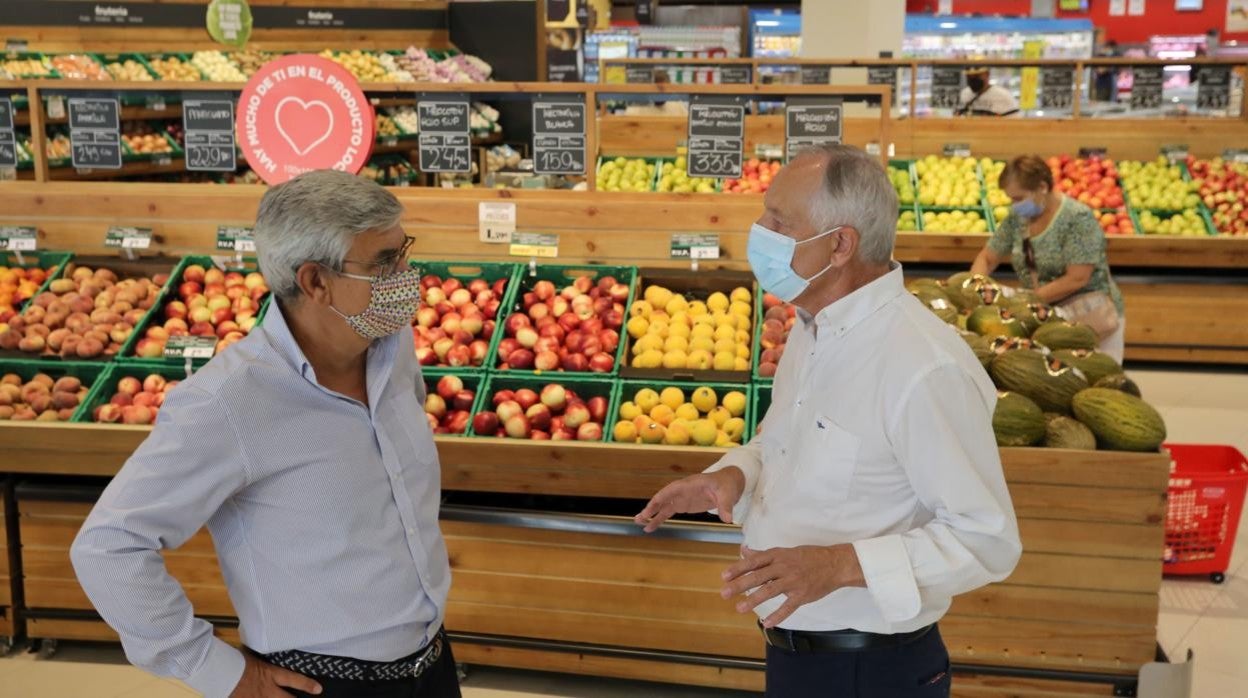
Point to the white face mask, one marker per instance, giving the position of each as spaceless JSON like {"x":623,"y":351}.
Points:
{"x":771,"y":259}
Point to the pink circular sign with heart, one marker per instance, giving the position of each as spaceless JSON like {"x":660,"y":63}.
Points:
{"x":301,"y":113}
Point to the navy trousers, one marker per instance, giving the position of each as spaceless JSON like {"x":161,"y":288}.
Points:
{"x":917,"y":670}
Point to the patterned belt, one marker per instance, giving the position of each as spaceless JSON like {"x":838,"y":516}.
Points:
{"x":346,"y":668}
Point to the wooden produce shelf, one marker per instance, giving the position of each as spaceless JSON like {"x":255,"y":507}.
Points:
{"x":1083,"y":599}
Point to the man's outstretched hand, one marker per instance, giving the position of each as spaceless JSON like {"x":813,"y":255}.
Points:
{"x":697,"y":493}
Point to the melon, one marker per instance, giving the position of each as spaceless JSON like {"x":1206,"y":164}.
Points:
{"x":1044,"y":379}
{"x":1065,"y":335}
{"x":1061,"y":431}
{"x":1032,"y":315}
{"x":1000,"y":345}
{"x":938,"y":303}
{"x":1017,"y":421}
{"x":925,"y":284}
{"x":982,"y":348}
{"x":1120,"y":421}
{"x":1094,"y":364}
{"x":995,"y":321}
{"x":1119,"y":381}
{"x":969,"y":291}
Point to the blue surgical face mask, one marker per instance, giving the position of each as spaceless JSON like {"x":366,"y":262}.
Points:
{"x":771,"y":259}
{"x":1027,"y":208}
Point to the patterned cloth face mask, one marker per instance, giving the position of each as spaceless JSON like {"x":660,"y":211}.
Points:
{"x":393,"y":301}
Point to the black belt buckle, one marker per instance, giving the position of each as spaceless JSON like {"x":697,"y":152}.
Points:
{"x":791,"y":641}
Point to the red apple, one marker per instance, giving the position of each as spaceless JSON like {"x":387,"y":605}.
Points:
{"x":190,"y":288}
{"x":521,"y":359}
{"x":555,"y":397}
{"x":436,"y":406}
{"x":425,"y":356}
{"x":449,"y":386}
{"x":202,"y":329}
{"x":544,"y":290}
{"x":527,"y":398}
{"x":576,"y":363}
{"x":564,"y":434}
{"x":458,"y":424}
{"x":597,"y":409}
{"x":458,"y":356}
{"x":503,"y":396}
{"x":514,"y":322}
{"x":485,"y":423}
{"x":589,"y":431}
{"x":463,"y":400}
{"x":517,"y":427}
{"x":539,"y":416}
{"x":478,"y":350}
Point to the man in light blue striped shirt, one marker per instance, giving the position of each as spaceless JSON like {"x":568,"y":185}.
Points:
{"x":305,"y":450}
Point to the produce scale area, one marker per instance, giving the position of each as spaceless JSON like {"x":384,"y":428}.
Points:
{"x":550,"y":571}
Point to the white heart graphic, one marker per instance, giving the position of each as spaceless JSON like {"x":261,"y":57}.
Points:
{"x":277,"y":116}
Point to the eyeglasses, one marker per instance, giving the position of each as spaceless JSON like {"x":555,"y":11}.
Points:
{"x":391,"y":262}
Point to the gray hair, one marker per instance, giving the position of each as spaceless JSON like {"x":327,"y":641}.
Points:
{"x":315,"y":218}
{"x":856,"y":192}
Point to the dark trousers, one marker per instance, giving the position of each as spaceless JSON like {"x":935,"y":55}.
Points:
{"x":438,"y":681}
{"x":917,"y":670}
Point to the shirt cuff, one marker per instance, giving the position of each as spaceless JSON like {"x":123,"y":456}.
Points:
{"x":890,"y":578}
{"x":221,"y":671}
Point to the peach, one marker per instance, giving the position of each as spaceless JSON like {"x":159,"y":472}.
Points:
{"x":66,"y":414}
{"x":48,"y":416}
{"x":136,"y":414}
{"x":6,"y":412}
{"x":154,"y":383}
{"x":69,"y":348}
{"x":145,"y":399}
{"x":23,"y":414}
{"x":39,"y":329}
{"x":194,"y":272}
{"x":254,"y":280}
{"x":40,"y":402}
{"x":109,"y":414}
{"x":10,"y":339}
{"x":34,"y":314}
{"x":129,"y":385}
{"x":62,"y":285}
{"x":150,"y":348}
{"x":82,"y":273}
{"x":33,"y":343}
{"x":120,"y":334}
{"x":67,"y":384}
{"x":11,"y":379}
{"x":89,"y":348}
{"x":121,"y":400}
{"x":61,"y":401}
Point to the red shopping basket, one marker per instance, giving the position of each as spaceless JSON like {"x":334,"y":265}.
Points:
{"x":1207,"y":486}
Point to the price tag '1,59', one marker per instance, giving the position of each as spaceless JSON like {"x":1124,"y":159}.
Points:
{"x":128,"y":238}
{"x":534,"y":245}
{"x":190,"y":347}
{"x":19,"y":238}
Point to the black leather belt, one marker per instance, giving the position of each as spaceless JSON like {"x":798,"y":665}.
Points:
{"x":346,"y":668}
{"x":811,"y":642}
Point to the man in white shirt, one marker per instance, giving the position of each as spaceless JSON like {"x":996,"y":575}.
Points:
{"x":981,"y":98}
{"x":874,"y":492}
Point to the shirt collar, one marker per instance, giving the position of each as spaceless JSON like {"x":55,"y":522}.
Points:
{"x":841,"y":316}
{"x":380,"y":354}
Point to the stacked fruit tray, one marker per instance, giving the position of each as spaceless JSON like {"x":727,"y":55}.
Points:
{"x":1223,"y":188}
{"x":1163,"y":200}
{"x":951,"y":196}
{"x":901,"y":174}
{"x":682,"y":414}
{"x":457,"y":324}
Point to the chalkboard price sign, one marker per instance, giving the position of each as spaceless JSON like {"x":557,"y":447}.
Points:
{"x":735,"y":75}
{"x":1057,"y":87}
{"x":884,"y":75}
{"x":94,"y":132}
{"x":1214,"y":91}
{"x":816,"y":74}
{"x":716,"y":137}
{"x":638,"y":74}
{"x":946,"y":87}
{"x":811,"y":122}
{"x":445,"y":142}
{"x":209,"y":126}
{"x":1146,"y":87}
{"x":8,"y":140}
{"x":559,"y":137}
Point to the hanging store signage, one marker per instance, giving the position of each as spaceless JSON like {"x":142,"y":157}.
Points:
{"x":301,"y":113}
{"x":209,"y":127}
{"x":1057,"y":88}
{"x":816,"y":74}
{"x":445,"y":141}
{"x":946,"y":87}
{"x":811,"y":122}
{"x":19,"y":238}
{"x":229,"y":22}
{"x":1214,"y":91}
{"x":559,"y":136}
{"x":94,"y":132}
{"x":189,"y":15}
{"x":1146,"y":86}
{"x":736,"y":75}
{"x":8,"y":139}
{"x":716,"y":137}
{"x":884,"y":75}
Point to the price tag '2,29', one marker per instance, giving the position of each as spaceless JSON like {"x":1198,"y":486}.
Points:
{"x":19,"y":238}
{"x":190,"y":347}
{"x":128,"y":238}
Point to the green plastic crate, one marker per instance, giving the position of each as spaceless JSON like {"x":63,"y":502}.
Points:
{"x":656,"y":161}
{"x":130,"y":155}
{"x":691,"y":286}
{"x":124,"y":269}
{"x":54,"y":262}
{"x":908,"y":166}
{"x":562,"y":275}
{"x":982,"y":210}
{"x":157,"y":314}
{"x":32,"y":56}
{"x":467,"y":272}
{"x":107,"y":59}
{"x":918,"y":218}
{"x":756,"y":352}
{"x":106,"y":387}
{"x":473,"y":380}
{"x":627,"y":389}
{"x":184,"y":57}
{"x":761,"y":402}
{"x":584,"y":386}
{"x":89,"y":373}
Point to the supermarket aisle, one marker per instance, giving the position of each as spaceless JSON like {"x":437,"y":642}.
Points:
{"x":1205,"y":407}
{"x":1209,"y":619}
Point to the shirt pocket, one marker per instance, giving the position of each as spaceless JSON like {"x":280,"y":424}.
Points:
{"x":826,"y":456}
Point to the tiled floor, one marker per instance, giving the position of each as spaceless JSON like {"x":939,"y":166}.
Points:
{"x":1210,"y":620}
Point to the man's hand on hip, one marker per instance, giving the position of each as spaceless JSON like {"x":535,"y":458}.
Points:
{"x":263,"y":680}
{"x":803,"y":574}
{"x":694,"y":494}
